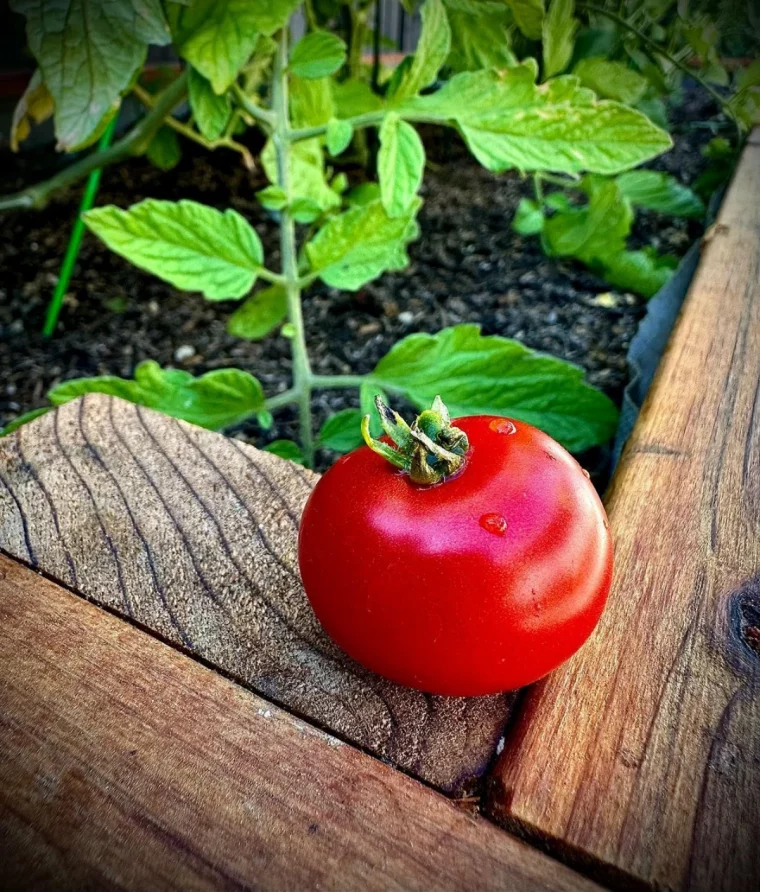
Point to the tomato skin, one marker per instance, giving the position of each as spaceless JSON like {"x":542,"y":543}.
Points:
{"x":480,"y":584}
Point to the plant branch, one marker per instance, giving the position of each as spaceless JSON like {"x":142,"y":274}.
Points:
{"x":286,"y":398}
{"x":268,"y":276}
{"x":311,"y":18}
{"x":360,"y":122}
{"x":225,"y":142}
{"x":656,"y":48}
{"x":267,"y":119}
{"x":299,"y":353}
{"x":134,"y":143}
{"x":538,"y":188}
{"x":326,"y":382}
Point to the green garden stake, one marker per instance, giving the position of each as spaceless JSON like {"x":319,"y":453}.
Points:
{"x":72,"y":250}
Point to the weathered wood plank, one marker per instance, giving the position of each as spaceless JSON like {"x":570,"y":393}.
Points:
{"x":126,"y":764}
{"x":644,"y":751}
{"x":195,"y":536}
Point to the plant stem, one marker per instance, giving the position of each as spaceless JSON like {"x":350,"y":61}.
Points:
{"x":134,"y":143}
{"x":281,"y":139}
{"x":376,"y":45}
{"x":75,"y":240}
{"x":311,"y":18}
{"x":286,"y":398}
{"x":656,"y":48}
{"x":225,"y":142}
{"x":359,"y":122}
{"x":538,"y":188}
{"x":269,"y":276}
{"x":335,"y":381}
{"x":266,"y":118}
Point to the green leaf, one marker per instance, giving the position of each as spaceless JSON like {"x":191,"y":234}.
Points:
{"x":21,"y":420}
{"x":216,"y":400}
{"x":559,"y":29}
{"x":612,"y":80}
{"x":655,"y":109}
{"x":643,"y":272}
{"x":358,"y":245}
{"x":529,"y":217}
{"x":354,"y":97}
{"x":496,"y":376}
{"x":363,"y":194}
{"x":286,"y":449}
{"x":273,"y":198}
{"x":271,"y":15}
{"x":305,"y":210}
{"x":338,"y":136}
{"x":190,"y":245}
{"x":660,"y":192}
{"x":88,"y":52}
{"x":317,"y":54}
{"x":211,"y":112}
{"x":433,"y":47}
{"x":218,"y":36}
{"x":529,"y":16}
{"x":508,"y":121}
{"x":164,"y":151}
{"x":307,"y":172}
{"x":400,"y":164}
{"x":558,"y":201}
{"x":342,"y":431}
{"x":311,"y":103}
{"x":594,"y":231}
{"x":259,"y":315}
{"x":34,"y":107}
{"x":339,"y":183}
{"x":479,"y":35}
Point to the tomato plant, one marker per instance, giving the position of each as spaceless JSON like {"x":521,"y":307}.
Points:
{"x":460,"y":559}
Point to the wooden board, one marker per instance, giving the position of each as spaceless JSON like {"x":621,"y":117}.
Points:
{"x":126,"y":765}
{"x":642,"y":754}
{"x":195,"y":536}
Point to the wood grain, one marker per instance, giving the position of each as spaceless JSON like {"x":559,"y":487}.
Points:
{"x":643,"y":752}
{"x":195,"y":536}
{"x":126,"y":765}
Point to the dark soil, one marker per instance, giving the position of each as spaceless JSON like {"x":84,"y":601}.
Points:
{"x":468,"y":266}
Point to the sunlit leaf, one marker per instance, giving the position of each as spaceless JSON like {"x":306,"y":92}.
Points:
{"x":216,"y":400}
{"x":190,"y":245}
{"x":259,"y":315}
{"x":358,"y":245}
{"x":400,"y":164}
{"x":492,"y":375}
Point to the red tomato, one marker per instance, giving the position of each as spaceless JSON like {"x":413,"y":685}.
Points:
{"x":478,"y":584}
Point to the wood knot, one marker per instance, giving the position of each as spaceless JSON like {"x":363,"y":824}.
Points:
{"x":745,"y":617}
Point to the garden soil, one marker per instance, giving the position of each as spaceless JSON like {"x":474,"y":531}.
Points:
{"x":467,"y":266}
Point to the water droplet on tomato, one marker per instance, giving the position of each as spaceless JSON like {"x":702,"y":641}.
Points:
{"x":503,"y":426}
{"x":586,"y":474}
{"x":494,"y":523}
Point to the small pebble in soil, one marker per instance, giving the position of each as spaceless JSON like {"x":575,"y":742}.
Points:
{"x":184,"y":352}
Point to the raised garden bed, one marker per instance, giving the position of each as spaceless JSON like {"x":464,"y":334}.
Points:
{"x":636,"y":762}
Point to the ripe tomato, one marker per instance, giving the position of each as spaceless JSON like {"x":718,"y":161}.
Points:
{"x":478,"y":584}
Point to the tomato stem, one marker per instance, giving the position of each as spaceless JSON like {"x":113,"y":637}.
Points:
{"x":429,"y":450}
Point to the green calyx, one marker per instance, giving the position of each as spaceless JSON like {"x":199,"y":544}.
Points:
{"x":430,"y":450}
